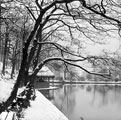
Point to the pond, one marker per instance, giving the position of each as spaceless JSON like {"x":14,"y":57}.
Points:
{"x":87,"y":102}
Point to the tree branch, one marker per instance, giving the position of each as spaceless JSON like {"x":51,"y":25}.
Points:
{"x":83,"y":2}
{"x":58,"y":46}
{"x":37,"y":3}
{"x":31,"y":13}
{"x":67,"y":61}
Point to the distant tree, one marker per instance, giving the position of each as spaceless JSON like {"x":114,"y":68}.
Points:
{"x":89,"y":77}
{"x":5,"y":48}
{"x":3,"y":12}
{"x":81,"y":78}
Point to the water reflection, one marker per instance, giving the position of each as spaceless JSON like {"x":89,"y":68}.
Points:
{"x":91,"y":102}
{"x":65,"y":99}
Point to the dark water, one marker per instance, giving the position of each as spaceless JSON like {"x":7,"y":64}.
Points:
{"x":87,"y":102}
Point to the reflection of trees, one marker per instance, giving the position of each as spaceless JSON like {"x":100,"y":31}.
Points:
{"x":103,"y":95}
{"x":81,"y":86}
{"x":108,"y":93}
{"x":65,"y":98}
{"x":88,"y":76}
{"x":88,"y":88}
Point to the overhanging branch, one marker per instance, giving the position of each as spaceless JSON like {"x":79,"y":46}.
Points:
{"x":70,"y":62}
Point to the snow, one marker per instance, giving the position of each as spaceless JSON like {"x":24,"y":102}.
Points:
{"x":45,"y":71}
{"x":5,"y":89}
{"x":50,"y":88}
{"x":6,"y":116}
{"x":41,"y":108}
{"x":1,"y":64}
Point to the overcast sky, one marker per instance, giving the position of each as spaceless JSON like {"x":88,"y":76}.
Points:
{"x":111,"y":46}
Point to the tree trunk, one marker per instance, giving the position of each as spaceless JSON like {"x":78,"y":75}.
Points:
{"x":13,"y":67}
{"x":38,"y":37}
{"x":20,"y":78}
{"x":37,"y":57}
{"x":14,"y":59}
{"x":5,"y":49}
{"x":14,"y":91}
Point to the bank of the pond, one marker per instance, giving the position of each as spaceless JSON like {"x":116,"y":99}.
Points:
{"x":85,"y":82}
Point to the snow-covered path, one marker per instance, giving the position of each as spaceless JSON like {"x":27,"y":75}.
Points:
{"x":43,"y":109}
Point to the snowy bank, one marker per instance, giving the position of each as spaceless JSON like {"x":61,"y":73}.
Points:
{"x":43,"y":109}
{"x":5,"y":89}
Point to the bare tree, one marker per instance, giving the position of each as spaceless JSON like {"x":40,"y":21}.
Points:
{"x":65,"y":20}
{"x":5,"y":48}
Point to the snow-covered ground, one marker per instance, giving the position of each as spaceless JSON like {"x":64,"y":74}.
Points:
{"x":5,"y":89}
{"x":41,"y":108}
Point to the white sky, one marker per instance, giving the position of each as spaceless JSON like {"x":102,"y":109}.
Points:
{"x":111,"y":46}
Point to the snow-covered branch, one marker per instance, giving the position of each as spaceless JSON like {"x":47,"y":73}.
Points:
{"x":70,"y":62}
